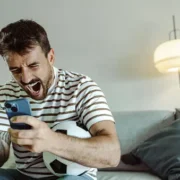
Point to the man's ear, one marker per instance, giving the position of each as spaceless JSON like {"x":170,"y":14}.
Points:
{"x":51,"y":57}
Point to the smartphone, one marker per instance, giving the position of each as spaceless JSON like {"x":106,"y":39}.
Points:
{"x":18,"y":107}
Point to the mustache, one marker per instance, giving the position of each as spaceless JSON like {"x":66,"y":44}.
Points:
{"x":31,"y":82}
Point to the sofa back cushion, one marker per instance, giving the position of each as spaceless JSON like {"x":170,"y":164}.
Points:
{"x":134,"y":127}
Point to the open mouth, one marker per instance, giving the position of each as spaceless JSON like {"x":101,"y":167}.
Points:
{"x":34,"y":88}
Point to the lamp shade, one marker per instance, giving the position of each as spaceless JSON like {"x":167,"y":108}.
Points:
{"x":167,"y":56}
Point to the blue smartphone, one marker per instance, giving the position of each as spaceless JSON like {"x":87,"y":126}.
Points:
{"x":18,"y":107}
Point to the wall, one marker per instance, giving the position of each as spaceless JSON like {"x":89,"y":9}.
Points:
{"x":112,"y":41}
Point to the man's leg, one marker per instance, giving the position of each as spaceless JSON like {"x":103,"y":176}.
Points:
{"x":10,"y":174}
{"x":83,"y":177}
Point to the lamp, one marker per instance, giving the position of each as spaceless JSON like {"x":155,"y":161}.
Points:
{"x":167,"y":55}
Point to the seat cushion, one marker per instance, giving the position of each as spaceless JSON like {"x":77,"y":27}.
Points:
{"x":125,"y":176}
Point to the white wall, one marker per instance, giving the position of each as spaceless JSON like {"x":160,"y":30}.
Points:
{"x":112,"y":41}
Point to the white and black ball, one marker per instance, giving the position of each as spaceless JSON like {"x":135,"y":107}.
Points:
{"x":60,"y":166}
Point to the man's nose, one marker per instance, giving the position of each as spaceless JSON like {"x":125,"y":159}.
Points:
{"x":26,"y":76}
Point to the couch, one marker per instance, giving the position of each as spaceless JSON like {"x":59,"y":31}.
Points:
{"x":133,"y":128}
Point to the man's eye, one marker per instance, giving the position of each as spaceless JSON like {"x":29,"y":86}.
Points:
{"x":34,"y":65}
{"x":17,"y":71}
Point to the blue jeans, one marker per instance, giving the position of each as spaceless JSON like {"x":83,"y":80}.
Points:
{"x":13,"y":174}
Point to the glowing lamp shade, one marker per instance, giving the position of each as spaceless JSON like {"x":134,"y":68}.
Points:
{"x":167,"y":56}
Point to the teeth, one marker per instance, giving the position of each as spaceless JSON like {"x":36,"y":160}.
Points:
{"x":33,"y":84}
{"x":30,"y":85}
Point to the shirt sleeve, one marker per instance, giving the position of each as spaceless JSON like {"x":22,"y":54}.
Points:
{"x":4,"y":122}
{"x":91,"y":105}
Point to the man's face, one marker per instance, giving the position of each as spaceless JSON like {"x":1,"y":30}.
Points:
{"x":33,"y":71}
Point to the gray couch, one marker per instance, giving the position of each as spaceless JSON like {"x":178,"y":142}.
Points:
{"x":132,"y":128}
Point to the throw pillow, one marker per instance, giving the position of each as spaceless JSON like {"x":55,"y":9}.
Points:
{"x":161,"y":152}
{"x":177,"y":114}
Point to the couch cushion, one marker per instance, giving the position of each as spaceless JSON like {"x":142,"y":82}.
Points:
{"x":177,"y":115}
{"x":135,"y":127}
{"x":125,"y":176}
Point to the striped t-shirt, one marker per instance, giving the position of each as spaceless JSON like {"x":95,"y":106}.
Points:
{"x":72,"y":97}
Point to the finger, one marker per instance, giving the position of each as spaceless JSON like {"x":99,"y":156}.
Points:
{"x":35,"y":123}
{"x":23,"y":134}
{"x":22,"y":141}
{"x":29,"y":148}
{"x":13,"y":132}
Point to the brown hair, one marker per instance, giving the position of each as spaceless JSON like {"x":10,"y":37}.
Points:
{"x":21,"y":36}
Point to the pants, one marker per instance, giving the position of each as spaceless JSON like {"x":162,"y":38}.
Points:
{"x":13,"y":174}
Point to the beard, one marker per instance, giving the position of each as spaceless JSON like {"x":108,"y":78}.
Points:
{"x":47,"y":84}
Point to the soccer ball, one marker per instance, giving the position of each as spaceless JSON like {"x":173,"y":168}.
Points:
{"x":60,"y":166}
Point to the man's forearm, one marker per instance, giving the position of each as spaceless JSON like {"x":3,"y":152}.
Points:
{"x":4,"y":147}
{"x":99,"y":151}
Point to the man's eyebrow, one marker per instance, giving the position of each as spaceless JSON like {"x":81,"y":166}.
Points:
{"x":16,"y":68}
{"x":13,"y":68}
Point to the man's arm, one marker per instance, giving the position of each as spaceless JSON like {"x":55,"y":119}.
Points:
{"x":4,"y":147}
{"x":100,"y":151}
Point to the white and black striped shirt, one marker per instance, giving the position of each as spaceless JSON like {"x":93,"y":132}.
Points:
{"x":72,"y":97}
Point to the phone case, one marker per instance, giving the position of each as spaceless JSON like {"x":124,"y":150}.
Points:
{"x":18,"y":107}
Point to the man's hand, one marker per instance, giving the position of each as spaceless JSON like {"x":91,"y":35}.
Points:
{"x":35,"y":139}
{"x":103,"y":147}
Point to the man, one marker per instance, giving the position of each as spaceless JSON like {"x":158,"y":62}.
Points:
{"x":55,"y":95}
